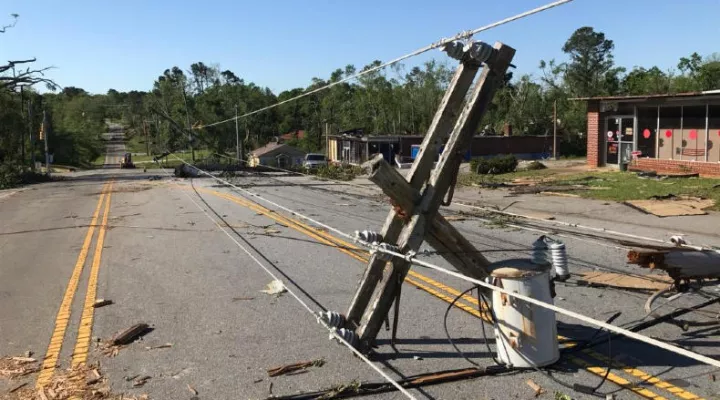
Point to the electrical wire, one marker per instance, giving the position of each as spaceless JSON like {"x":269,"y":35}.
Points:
{"x":411,"y":258}
{"x":330,"y":329}
{"x":460,"y":36}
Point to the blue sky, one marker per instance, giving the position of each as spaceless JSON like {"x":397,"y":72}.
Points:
{"x":125,"y":45}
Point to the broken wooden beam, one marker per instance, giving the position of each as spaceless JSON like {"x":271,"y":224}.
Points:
{"x":419,"y":173}
{"x":442,"y":236}
{"x":680,"y":263}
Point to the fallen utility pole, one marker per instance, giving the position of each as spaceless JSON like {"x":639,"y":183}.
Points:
{"x":415,"y":218}
{"x":679,"y":263}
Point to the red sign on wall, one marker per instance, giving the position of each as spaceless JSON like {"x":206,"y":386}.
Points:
{"x":646,"y":133}
{"x":693,"y":134}
{"x":668,"y":133}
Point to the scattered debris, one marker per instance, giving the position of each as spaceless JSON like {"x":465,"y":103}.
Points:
{"x":192,"y":390}
{"x":16,"y":388}
{"x":534,"y":386}
{"x":242,"y":298}
{"x":28,"y":353}
{"x":15,"y":367}
{"x":274,"y":287}
{"x":24,"y":359}
{"x":295,"y":367}
{"x":679,"y":263}
{"x":155,"y":178}
{"x":162,"y":346}
{"x":671,"y":205}
{"x":258,"y":380}
{"x":102,"y":303}
{"x":545,"y":188}
{"x":271,"y":231}
{"x":417,"y":358}
{"x":454,"y":218}
{"x":139,"y":382}
{"x":625,"y":281}
{"x":560,"y":194}
{"x":130,"y":334}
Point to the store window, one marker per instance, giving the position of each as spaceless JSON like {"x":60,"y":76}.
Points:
{"x":713,"y":142}
{"x":647,"y":131}
{"x":670,"y":141}
{"x":693,"y":133}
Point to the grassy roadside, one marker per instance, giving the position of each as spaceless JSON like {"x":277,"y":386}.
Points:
{"x":611,"y":186}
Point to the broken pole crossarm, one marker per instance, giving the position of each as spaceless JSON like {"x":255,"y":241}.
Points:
{"x":419,"y":173}
{"x":414,"y":232}
{"x":442,"y":236}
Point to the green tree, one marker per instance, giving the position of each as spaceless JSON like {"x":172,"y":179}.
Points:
{"x":591,"y":70}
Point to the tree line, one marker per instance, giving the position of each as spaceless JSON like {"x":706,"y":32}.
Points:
{"x":397,"y":100}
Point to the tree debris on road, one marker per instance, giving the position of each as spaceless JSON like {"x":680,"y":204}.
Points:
{"x":161,"y":346}
{"x":130,"y":335}
{"x":192,"y":390}
{"x":274,"y":287}
{"x":535,"y":387}
{"x":141,"y":381}
{"x":15,"y":367}
{"x":102,"y":303}
{"x":285,"y":369}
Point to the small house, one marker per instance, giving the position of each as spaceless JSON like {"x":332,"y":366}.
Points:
{"x":275,"y":154}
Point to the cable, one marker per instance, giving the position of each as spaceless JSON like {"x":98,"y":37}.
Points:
{"x":411,"y":258}
{"x":603,"y":230}
{"x":447,"y":332}
{"x":332,"y":331}
{"x":459,"y":36}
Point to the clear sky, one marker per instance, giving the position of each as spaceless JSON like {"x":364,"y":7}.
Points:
{"x":125,"y":45}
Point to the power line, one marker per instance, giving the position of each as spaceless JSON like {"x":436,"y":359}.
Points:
{"x":459,"y":36}
{"x":411,"y":258}
{"x":332,"y":331}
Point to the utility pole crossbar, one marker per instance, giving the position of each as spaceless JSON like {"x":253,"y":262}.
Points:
{"x":417,"y":198}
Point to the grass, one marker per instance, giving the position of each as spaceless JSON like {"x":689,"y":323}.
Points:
{"x":612,"y":186}
{"x":623,"y":186}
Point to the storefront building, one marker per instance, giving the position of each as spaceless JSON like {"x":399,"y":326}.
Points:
{"x":663,"y":133}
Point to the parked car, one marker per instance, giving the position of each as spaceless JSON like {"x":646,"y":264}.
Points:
{"x":314,"y":161}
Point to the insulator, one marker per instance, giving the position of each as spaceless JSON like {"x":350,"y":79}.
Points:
{"x":385,"y":246}
{"x":454,"y":50}
{"x":369,"y":236}
{"x":479,"y":51}
{"x":677,"y":240}
{"x":348,"y":335}
{"x":558,"y":255}
{"x":540,"y":254}
{"x":331,"y":318}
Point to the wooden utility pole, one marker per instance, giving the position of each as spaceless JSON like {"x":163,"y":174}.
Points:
{"x":30,"y":132}
{"x":147,"y":139}
{"x":46,"y":133}
{"x":555,"y":129}
{"x":415,"y":217}
{"x":237,"y":137}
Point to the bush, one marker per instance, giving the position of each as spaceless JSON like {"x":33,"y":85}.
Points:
{"x":11,"y":175}
{"x":495,"y":165}
{"x":342,"y":172}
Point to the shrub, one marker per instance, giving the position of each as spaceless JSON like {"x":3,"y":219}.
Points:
{"x":495,"y":165}
{"x":11,"y":175}
{"x":341,"y":172}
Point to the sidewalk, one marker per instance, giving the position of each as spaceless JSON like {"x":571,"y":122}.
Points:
{"x":699,"y":229}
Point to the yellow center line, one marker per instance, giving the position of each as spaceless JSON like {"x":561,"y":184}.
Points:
{"x":355,"y":252}
{"x":82,"y":344}
{"x":63,"y":315}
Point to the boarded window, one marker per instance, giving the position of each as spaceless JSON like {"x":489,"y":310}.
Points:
{"x":647,"y":130}
{"x":693,"y":133}
{"x":714,"y":133}
{"x":670,"y":142}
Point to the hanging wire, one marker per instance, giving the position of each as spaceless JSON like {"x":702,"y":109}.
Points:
{"x":460,"y":36}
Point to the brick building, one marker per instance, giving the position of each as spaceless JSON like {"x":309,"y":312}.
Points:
{"x":663,"y":133}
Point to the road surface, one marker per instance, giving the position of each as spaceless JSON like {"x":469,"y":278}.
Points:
{"x":158,"y":249}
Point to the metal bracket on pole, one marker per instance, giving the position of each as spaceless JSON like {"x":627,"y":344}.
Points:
{"x":419,"y":196}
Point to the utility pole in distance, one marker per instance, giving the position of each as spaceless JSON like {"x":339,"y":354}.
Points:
{"x":147,"y":141}
{"x":555,"y":129}
{"x":32,"y":137}
{"x":45,"y":129}
{"x":237,"y":136}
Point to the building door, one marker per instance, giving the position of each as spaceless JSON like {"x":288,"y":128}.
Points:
{"x":620,"y":131}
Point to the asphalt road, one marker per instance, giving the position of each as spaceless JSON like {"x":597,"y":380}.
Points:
{"x":164,"y":260}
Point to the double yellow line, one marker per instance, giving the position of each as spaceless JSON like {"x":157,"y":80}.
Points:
{"x":62,"y":320}
{"x":448,"y":294}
